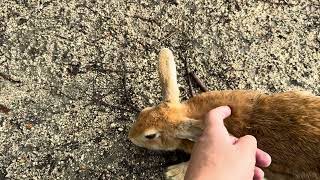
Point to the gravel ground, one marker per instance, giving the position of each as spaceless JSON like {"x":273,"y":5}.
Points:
{"x":74,"y":74}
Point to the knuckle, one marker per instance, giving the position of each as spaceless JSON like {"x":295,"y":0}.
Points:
{"x":251,"y":139}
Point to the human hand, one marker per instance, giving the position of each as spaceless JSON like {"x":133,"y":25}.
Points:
{"x":223,"y":157}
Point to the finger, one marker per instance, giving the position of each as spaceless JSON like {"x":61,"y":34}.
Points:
{"x":248,"y":145}
{"x":263,"y":159}
{"x":258,"y":174}
{"x":219,"y":113}
{"x":214,"y":123}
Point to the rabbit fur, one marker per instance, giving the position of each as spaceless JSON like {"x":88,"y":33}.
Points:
{"x":286,"y":125}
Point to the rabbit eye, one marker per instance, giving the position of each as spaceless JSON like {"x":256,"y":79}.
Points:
{"x":150,"y":136}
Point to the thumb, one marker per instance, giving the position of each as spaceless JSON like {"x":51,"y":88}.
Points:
{"x":247,"y":146}
{"x":215,"y":126}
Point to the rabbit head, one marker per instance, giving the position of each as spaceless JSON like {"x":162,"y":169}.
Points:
{"x":158,"y":127}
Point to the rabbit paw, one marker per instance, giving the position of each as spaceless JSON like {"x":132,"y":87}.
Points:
{"x":176,"y":172}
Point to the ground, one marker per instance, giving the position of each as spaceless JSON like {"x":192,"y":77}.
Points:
{"x":74,"y":74}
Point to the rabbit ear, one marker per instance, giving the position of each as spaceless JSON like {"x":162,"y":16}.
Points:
{"x":168,"y":76}
{"x":190,"y":129}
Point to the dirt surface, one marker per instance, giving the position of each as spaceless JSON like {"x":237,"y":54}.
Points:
{"x":74,"y":74}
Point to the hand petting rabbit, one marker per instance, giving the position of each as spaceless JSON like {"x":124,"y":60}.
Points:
{"x":286,"y":125}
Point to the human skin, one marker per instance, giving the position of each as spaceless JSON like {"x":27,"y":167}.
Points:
{"x":219,"y":156}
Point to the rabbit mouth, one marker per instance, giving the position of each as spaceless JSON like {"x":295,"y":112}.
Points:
{"x":151,"y":146}
{"x":140,"y":144}
{"x":135,"y":142}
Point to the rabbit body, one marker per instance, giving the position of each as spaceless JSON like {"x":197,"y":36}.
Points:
{"x":286,"y":125}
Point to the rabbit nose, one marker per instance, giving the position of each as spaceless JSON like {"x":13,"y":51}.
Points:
{"x":136,"y":142}
{"x":133,"y":141}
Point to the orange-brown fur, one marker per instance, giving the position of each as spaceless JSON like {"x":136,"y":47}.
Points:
{"x":286,"y":125}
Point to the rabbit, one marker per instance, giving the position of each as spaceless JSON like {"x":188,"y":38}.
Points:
{"x":286,"y":125}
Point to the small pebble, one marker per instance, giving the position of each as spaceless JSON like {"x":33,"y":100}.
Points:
{"x":28,"y":125}
{"x":176,"y":2}
{"x":113,"y":125}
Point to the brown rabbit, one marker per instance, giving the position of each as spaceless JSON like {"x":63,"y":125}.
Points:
{"x":286,"y":125}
